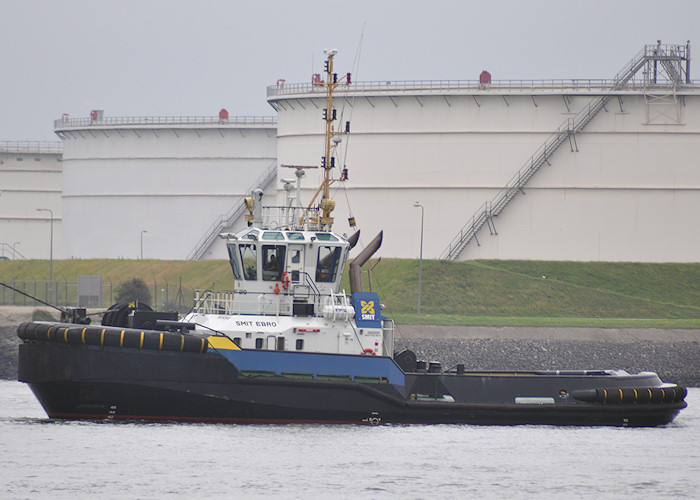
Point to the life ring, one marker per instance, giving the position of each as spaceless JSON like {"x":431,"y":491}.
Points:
{"x":369,"y":352}
{"x":285,"y":280}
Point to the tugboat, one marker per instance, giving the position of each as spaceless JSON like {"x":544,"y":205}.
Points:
{"x":288,"y":345}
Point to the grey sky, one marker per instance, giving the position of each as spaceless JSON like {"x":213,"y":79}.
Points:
{"x":181,"y":58}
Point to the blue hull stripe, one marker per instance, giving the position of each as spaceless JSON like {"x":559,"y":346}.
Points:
{"x":316,"y":363}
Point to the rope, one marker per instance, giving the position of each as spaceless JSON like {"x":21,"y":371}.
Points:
{"x":355,"y":69}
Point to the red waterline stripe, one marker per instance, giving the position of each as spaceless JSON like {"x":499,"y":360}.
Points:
{"x":201,"y":419}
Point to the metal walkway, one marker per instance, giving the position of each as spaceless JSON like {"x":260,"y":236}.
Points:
{"x":671,"y":58}
{"x":228,"y":219}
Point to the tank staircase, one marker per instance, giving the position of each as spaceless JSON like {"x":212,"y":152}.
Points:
{"x":229,"y":218}
{"x":670,"y":57}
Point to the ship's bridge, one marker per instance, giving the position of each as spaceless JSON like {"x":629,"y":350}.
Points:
{"x":283,"y":270}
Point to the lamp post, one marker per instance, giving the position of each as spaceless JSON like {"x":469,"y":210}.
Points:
{"x":420,"y":261}
{"x":144,"y":231}
{"x":50,"y":252}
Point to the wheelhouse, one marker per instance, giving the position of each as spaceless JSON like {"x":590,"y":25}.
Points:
{"x":285,"y":271}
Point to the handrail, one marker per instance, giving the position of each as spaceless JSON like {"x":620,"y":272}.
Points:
{"x":668,"y":51}
{"x":574,"y":85}
{"x":311,"y":283}
{"x":224,"y":301}
{"x":65,"y":122}
{"x":232,"y":215}
{"x":213,"y":301}
{"x":551,"y":144}
{"x":31,"y":147}
{"x":15,"y":253}
{"x":503,"y":196}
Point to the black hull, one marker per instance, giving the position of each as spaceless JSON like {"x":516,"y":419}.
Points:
{"x":135,"y":402}
{"x":95,"y":382}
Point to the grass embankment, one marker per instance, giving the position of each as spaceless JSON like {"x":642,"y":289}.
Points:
{"x":530,"y":293}
{"x":472,"y":292}
{"x":198,"y":274}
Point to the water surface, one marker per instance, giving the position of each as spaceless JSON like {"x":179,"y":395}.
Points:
{"x":44,"y":458}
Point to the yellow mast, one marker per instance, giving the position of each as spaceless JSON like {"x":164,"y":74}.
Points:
{"x":326,"y":204}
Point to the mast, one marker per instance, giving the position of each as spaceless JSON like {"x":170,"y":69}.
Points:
{"x":326,"y":204}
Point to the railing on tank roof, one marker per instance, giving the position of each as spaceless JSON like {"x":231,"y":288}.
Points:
{"x":574,"y":85}
{"x":31,"y":147}
{"x":66,"y":122}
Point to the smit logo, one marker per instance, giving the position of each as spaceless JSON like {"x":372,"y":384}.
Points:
{"x":367,"y":308}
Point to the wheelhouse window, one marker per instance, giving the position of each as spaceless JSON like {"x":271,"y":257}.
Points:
{"x":272,"y":235}
{"x":327,"y":267}
{"x":326,"y":237}
{"x":233,"y":259}
{"x":273,"y":262}
{"x":249,"y":258}
{"x":295,"y":236}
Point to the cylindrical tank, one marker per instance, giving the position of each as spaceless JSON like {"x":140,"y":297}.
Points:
{"x":166,"y":181}
{"x":604,"y":193}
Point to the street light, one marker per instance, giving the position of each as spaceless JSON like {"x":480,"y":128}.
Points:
{"x":144,"y":231}
{"x":50,"y":251}
{"x":420,"y":261}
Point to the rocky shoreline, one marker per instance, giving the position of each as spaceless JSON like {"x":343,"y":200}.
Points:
{"x":673,"y":362}
{"x":673,"y":354}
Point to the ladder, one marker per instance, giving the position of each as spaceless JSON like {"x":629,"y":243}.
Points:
{"x":229,"y":218}
{"x":566,"y":130}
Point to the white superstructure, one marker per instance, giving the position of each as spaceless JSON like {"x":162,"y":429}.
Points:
{"x":155,"y":187}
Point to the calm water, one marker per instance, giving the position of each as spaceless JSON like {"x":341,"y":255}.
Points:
{"x":40,"y":458}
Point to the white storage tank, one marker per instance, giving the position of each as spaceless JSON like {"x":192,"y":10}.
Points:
{"x":154,"y":187}
{"x":621,"y":186}
{"x":30,"y":199}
